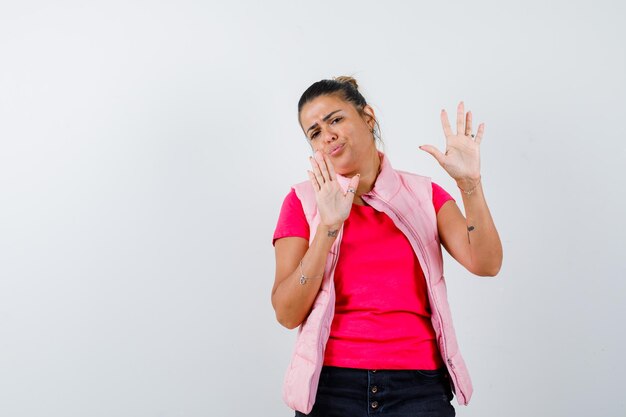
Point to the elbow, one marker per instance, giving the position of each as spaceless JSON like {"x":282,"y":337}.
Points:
{"x":283,"y":318}
{"x":287,"y":322}
{"x":490,"y":270}
{"x":489,"y":266}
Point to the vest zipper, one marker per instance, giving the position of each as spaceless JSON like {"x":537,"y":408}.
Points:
{"x":335,"y":257}
{"x":417,"y":239}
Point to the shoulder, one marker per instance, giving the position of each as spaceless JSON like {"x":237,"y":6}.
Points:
{"x":411,"y":176}
{"x":302,"y":187}
{"x":298,"y":193}
{"x":291,"y":203}
{"x":292,"y":221}
{"x":420,"y":182}
{"x":440,"y":197}
{"x":414,"y":181}
{"x":305,"y":193}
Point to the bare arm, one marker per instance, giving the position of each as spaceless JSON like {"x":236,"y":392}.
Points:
{"x":292,"y":297}
{"x":472,"y":241}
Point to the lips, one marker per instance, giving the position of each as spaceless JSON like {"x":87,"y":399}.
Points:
{"x":335,"y":149}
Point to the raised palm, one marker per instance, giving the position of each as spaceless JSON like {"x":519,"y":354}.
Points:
{"x":461,"y":159}
{"x":334,"y":204}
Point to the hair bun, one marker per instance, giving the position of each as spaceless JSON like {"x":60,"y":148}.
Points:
{"x":348,"y":80}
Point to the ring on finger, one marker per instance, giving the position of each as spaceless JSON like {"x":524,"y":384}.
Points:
{"x":351,"y":190}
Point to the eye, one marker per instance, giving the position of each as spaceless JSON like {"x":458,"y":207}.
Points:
{"x":336,"y":119}
{"x":314,"y":134}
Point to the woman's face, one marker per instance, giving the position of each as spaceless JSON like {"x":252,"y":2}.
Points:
{"x":335,"y":127}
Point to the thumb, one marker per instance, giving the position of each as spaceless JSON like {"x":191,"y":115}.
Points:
{"x":434,"y":152}
{"x":353,"y":185}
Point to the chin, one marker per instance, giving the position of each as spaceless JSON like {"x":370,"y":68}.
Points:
{"x":345,"y":172}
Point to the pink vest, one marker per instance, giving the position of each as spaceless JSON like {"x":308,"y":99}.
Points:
{"x":407,"y":199}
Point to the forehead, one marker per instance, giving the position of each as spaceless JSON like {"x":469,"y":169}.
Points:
{"x":316,"y":109}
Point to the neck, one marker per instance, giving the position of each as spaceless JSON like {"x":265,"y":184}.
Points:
{"x":369,"y":173}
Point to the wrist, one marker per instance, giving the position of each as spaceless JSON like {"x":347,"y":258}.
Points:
{"x":469,"y":184}
{"x":329,"y":230}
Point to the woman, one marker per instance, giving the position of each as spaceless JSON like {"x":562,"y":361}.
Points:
{"x":359,"y":266}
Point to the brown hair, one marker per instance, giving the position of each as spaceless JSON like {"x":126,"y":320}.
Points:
{"x":345,"y":87}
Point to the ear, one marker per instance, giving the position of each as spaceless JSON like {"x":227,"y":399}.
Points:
{"x":369,"y":116}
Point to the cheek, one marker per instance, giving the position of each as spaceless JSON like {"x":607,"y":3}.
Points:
{"x":315,"y":146}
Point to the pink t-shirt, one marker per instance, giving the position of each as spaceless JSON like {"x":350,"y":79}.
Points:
{"x":382,"y":313}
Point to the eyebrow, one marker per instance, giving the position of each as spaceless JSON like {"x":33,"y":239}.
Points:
{"x":328,"y":116}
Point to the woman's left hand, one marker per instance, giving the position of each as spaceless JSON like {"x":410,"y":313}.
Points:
{"x":462,"y":157}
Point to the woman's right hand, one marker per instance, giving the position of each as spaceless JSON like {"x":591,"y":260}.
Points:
{"x":333,"y":203}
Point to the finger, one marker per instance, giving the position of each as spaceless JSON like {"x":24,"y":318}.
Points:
{"x":445,"y":123}
{"x":316,"y":171}
{"x":321,"y":162}
{"x":479,"y":134}
{"x":313,"y":180}
{"x":468,"y":124}
{"x":353,"y":185}
{"x":460,"y":118}
{"x":434,"y":152}
{"x":331,"y":169}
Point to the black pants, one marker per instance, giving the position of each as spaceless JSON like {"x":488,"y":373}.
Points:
{"x":346,"y":392}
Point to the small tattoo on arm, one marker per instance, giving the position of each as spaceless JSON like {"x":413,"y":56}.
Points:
{"x":333,"y":233}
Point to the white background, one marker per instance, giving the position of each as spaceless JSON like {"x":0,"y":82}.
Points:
{"x":146,"y":147}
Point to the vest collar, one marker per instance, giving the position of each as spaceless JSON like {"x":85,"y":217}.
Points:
{"x":387,"y":182}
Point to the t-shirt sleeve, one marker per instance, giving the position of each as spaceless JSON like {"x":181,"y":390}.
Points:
{"x":440,"y":196}
{"x":291,"y":221}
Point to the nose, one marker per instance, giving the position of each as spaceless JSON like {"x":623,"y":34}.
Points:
{"x":329,"y":135}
